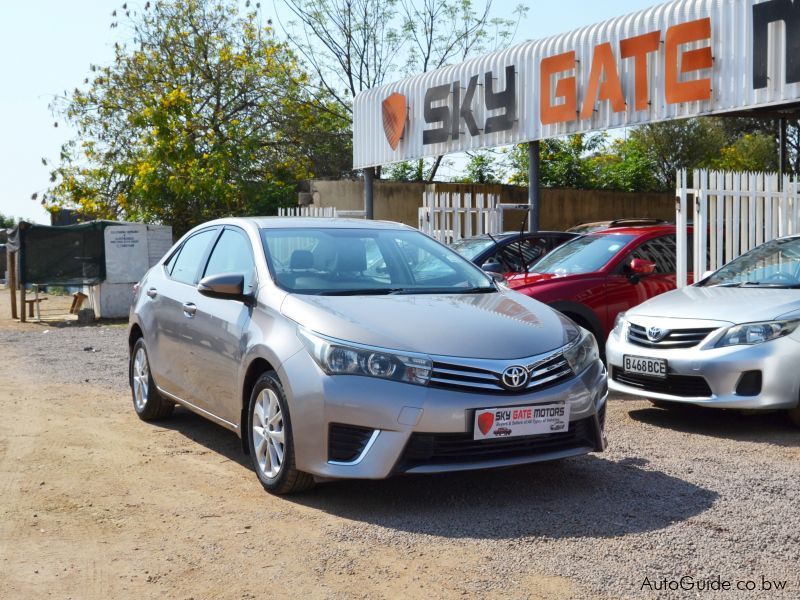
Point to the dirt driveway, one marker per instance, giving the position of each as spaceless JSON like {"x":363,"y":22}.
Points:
{"x":97,"y":504}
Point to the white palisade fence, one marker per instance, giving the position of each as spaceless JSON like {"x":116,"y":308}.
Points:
{"x":451,"y":216}
{"x":319,"y":211}
{"x":730,"y":213}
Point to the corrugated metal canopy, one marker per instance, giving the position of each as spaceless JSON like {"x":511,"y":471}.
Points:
{"x":676,"y":60}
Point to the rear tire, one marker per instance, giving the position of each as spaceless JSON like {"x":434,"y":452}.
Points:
{"x":794,"y":415}
{"x":270,"y":438}
{"x":147,"y":402}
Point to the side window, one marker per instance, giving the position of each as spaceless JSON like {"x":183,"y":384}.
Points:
{"x":187,"y":264}
{"x":660,"y":251}
{"x":232,"y":254}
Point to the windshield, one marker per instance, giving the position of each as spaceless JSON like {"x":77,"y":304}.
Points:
{"x":582,"y":255}
{"x":773,"y":264}
{"x":471,"y":248}
{"x":336,"y":261}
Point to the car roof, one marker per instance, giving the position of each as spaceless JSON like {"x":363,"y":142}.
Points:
{"x":637,"y":230}
{"x":307,"y":223}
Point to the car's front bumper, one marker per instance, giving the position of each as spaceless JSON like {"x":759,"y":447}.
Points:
{"x":719,"y":370}
{"x":409,"y":424}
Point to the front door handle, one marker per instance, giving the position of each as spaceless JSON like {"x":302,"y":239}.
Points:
{"x":152,"y":293}
{"x":189,"y":309}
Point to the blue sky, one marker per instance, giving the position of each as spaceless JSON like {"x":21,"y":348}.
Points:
{"x":46,"y":47}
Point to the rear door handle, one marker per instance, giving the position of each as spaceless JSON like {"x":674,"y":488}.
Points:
{"x":152,"y":292}
{"x":189,"y":309}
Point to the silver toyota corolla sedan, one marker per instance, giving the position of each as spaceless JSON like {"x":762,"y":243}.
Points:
{"x":729,"y":341}
{"x":358,"y":349}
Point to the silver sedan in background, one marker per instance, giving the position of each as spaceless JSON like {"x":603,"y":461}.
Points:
{"x":340,"y":349}
{"x":729,"y":341}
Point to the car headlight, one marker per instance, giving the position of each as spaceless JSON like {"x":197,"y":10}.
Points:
{"x":337,"y":357}
{"x":756,"y":333}
{"x":619,"y":325}
{"x":582,"y":353}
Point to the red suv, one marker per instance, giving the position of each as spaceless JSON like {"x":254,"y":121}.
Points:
{"x":593,"y":278}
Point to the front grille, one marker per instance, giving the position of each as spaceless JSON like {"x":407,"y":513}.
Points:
{"x":549,"y":371}
{"x":346,"y":442}
{"x":686,"y":386}
{"x":675,"y":338}
{"x":451,"y":448}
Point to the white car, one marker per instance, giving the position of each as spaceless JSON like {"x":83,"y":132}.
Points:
{"x":728,"y":341}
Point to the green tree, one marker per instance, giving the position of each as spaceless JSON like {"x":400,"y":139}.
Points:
{"x":482,"y":168}
{"x":683,"y":144}
{"x":7,"y":222}
{"x":203,"y":114}
{"x":563,"y":161}
{"x":623,"y":166}
{"x":751,"y":152}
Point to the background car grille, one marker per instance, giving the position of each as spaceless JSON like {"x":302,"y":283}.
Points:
{"x":550,"y":371}
{"x":676,"y":338}
{"x":346,"y":442}
{"x":686,"y":386}
{"x":450,"y":448}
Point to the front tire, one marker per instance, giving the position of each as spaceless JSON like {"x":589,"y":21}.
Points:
{"x":147,"y":402}
{"x":270,"y":438}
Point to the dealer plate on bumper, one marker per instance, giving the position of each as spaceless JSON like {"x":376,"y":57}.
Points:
{"x":643,"y":365}
{"x":521,"y":420}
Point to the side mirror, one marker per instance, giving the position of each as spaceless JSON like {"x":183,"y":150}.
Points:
{"x":492,"y":266}
{"x":496,"y":277}
{"x":707,"y":274}
{"x":225,"y":285}
{"x":639,"y":266}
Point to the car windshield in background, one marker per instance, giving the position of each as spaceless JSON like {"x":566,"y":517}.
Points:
{"x":471,"y":248}
{"x":582,"y":255}
{"x":336,"y":261}
{"x":773,"y":264}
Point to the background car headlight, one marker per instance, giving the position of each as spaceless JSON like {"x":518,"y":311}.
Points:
{"x":343,"y":358}
{"x":583,"y":353}
{"x":755,"y":333}
{"x":619,"y":325}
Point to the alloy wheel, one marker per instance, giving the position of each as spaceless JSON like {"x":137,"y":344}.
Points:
{"x":268,"y":434}
{"x":141,"y":380}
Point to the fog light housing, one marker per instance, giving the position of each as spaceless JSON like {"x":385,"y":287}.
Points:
{"x":749,"y":384}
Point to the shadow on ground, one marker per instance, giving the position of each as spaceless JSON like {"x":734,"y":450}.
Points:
{"x":766,"y":428}
{"x":589,"y":496}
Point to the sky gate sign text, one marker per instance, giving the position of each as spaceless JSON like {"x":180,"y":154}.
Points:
{"x":676,"y":60}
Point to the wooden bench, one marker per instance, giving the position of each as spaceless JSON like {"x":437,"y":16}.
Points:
{"x":31,"y":302}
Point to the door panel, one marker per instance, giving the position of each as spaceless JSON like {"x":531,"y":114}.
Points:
{"x":172,"y":363}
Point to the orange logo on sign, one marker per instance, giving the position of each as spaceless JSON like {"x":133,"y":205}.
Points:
{"x":394,"y":118}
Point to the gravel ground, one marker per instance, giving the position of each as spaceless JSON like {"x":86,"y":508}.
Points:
{"x":685,"y":493}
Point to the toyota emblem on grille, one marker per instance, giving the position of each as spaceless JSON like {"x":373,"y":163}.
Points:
{"x":655,"y":334}
{"x":515,"y":378}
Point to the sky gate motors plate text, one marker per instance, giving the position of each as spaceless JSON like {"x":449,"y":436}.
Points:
{"x":676,"y":60}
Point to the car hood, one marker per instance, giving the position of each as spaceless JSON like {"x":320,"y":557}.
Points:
{"x":732,"y":305}
{"x":502,"y":325}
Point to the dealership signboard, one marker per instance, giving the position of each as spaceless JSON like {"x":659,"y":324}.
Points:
{"x":675,"y":60}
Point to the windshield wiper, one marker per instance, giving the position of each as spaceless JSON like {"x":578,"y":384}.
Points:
{"x":472,"y":290}
{"x":361,"y":292}
{"x":767,"y":284}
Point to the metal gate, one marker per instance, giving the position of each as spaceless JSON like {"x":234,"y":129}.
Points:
{"x":730,"y":213}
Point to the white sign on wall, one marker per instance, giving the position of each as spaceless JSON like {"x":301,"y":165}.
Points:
{"x":675,"y":60}
{"x":126,"y":253}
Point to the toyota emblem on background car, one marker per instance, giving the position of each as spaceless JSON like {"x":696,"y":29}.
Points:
{"x":655,"y":334}
{"x":515,"y":378}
